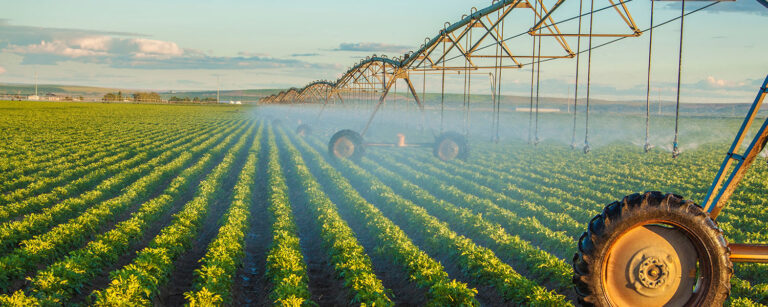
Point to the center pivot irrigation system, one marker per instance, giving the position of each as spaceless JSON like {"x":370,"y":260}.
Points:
{"x":650,"y":249}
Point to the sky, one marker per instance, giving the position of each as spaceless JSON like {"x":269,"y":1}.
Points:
{"x":188,"y":45}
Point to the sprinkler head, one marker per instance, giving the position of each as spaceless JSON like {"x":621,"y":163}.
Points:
{"x":675,"y":150}
{"x":647,"y":147}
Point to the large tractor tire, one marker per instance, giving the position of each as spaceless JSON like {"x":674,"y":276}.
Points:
{"x":451,"y":145}
{"x":651,"y":250}
{"x":346,"y":144}
{"x":303,"y":130}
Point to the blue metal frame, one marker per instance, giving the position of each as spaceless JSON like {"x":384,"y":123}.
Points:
{"x":712,"y":205}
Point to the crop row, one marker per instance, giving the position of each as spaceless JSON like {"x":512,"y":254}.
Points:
{"x":41,"y":165}
{"x":74,"y":167}
{"x":286,"y":267}
{"x":543,"y":267}
{"x":138,"y":282}
{"x":100,"y":171}
{"x":64,"y":279}
{"x":393,"y":243}
{"x":478,"y":262}
{"x":77,"y":231}
{"x":13,"y":232}
{"x":21,"y":175}
{"x":225,"y":253}
{"x":347,"y":255}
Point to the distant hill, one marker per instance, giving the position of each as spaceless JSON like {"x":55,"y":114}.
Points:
{"x":95,"y":93}
{"x":65,"y":90}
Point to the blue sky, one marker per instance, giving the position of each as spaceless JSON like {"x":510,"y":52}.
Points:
{"x":185,"y":45}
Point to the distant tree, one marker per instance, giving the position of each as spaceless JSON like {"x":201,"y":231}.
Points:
{"x":109,"y":97}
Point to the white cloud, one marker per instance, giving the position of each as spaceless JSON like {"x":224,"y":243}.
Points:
{"x":156,"y":47}
{"x":371,"y":47}
{"x":57,"y":47}
{"x":721,"y":83}
{"x":100,"y":43}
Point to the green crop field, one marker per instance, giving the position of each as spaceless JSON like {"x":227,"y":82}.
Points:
{"x":223,"y":205}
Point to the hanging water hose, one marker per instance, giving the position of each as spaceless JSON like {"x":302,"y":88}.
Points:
{"x":533,"y":53}
{"x":442,"y":86}
{"x":589,"y":77}
{"x":424,"y":94}
{"x":498,"y":84}
{"x":467,"y":118}
{"x":495,"y":96}
{"x":576,"y":87}
{"x":647,"y":146}
{"x":675,"y":147}
{"x":538,"y":83}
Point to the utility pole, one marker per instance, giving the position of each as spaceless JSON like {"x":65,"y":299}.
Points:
{"x":35,"y":82}
{"x":218,"y":88}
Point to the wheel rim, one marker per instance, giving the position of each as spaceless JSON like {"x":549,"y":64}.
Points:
{"x":448,"y":150}
{"x":653,"y":265}
{"x":343,"y":148}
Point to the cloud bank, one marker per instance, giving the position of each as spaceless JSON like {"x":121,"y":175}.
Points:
{"x":372,"y":47}
{"x":49,"y":46}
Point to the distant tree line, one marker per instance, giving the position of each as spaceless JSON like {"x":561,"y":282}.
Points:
{"x":191,"y":100}
{"x":135,"y":97}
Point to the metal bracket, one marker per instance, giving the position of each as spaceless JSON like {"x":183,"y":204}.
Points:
{"x":736,"y":156}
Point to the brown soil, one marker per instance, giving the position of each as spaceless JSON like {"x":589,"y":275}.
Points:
{"x":251,"y":286}
{"x":325,"y":287}
{"x":486,"y":295}
{"x":182,"y":277}
{"x":394,"y":276}
{"x":102,"y":280}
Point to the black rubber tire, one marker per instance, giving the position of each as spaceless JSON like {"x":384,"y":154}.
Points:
{"x":354,"y":137}
{"x":634,"y":209}
{"x":455,"y":137}
{"x":303,"y":130}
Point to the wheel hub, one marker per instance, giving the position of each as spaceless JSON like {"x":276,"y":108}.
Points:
{"x":448,"y":150}
{"x":652,"y":273}
{"x":651,"y":265}
{"x":344,"y":148}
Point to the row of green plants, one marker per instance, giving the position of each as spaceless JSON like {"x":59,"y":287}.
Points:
{"x":348,"y":257}
{"x":286,"y":267}
{"x":391,"y":241}
{"x":138,"y":282}
{"x":20,"y":177}
{"x":64,"y":279}
{"x":12,"y":233}
{"x":98,"y":172}
{"x":541,"y":266}
{"x":214,"y":278}
{"x":49,"y":156}
{"x":77,"y":231}
{"x":459,"y":191}
{"x":477,"y":262}
{"x":534,"y":200}
{"x":67,"y":171}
